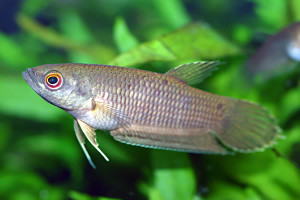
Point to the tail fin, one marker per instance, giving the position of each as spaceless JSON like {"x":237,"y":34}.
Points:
{"x":247,"y":127}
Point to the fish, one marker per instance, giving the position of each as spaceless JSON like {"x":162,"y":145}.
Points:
{"x":154,"y":110}
{"x":279,"y":54}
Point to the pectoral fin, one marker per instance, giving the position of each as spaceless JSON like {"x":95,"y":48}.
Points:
{"x":104,"y":112}
{"x":90,"y":134}
{"x":195,"y":140}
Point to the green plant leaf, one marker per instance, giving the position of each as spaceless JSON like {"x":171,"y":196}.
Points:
{"x":29,"y":186}
{"x":292,"y":137}
{"x":221,"y":190}
{"x":81,"y":196}
{"x":100,"y":52}
{"x":32,"y":7}
{"x":294,"y":9}
{"x":289,"y":103}
{"x":122,"y":36}
{"x":172,"y":12}
{"x":10,"y":51}
{"x":268,"y":11}
{"x":195,"y":41}
{"x":58,"y":146}
{"x":5,"y":136}
{"x":75,"y":29}
{"x":173,"y":176}
{"x":264,"y":174}
{"x":22,"y":101}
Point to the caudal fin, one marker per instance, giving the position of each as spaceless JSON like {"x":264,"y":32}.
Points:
{"x":247,"y":127}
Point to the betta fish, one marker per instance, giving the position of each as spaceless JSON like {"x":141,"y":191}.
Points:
{"x":153,"y":110}
{"x":279,"y":54}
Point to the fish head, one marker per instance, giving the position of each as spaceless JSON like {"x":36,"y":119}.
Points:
{"x":63,"y":85}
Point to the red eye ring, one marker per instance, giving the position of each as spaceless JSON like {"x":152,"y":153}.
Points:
{"x":54,"y":80}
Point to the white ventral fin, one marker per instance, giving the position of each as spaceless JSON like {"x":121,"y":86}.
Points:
{"x":90,"y":134}
{"x":194,"y":73}
{"x":81,"y":139}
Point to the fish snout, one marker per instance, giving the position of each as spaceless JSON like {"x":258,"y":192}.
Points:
{"x":31,"y":78}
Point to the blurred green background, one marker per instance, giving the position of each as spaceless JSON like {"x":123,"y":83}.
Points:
{"x":40,"y":156}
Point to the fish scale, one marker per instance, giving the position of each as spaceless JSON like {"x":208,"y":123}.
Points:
{"x":144,"y":92}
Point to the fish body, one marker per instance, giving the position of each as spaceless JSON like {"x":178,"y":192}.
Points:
{"x":147,"y":99}
{"x":280,"y":53}
{"x":153,"y":110}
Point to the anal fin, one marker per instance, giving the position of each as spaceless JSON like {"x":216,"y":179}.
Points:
{"x":194,"y":140}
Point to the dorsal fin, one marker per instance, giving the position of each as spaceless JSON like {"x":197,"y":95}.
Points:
{"x":194,"y":73}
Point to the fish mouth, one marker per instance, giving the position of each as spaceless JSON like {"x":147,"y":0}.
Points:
{"x":28,"y":75}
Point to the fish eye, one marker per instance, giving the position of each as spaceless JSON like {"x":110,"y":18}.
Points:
{"x":54,"y":80}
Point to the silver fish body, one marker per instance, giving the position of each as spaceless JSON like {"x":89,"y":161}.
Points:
{"x":153,"y":110}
